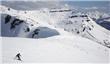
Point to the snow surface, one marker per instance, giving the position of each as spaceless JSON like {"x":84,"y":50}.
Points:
{"x":58,"y":39}
{"x":54,"y":49}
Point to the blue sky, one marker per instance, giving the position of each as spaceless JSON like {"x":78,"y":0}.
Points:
{"x":55,"y":0}
{"x":89,"y":3}
{"x":75,"y":3}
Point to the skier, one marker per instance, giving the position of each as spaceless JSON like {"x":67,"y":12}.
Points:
{"x":18,"y":57}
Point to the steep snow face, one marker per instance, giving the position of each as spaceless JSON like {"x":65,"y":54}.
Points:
{"x":97,"y":15}
{"x":83,"y":25}
{"x":13,"y":24}
{"x":101,"y":18}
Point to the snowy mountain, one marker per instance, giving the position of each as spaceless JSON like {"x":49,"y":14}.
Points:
{"x":100,"y":17}
{"x":15,"y":25}
{"x":105,"y":22}
{"x":46,"y":22}
{"x":53,"y":35}
{"x":85,"y":26}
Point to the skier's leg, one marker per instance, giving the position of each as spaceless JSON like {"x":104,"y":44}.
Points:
{"x":19,"y":58}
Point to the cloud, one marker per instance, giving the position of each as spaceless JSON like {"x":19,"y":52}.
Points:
{"x":31,"y":5}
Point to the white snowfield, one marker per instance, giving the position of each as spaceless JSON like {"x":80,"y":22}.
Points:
{"x":63,"y":37}
{"x":54,"y":49}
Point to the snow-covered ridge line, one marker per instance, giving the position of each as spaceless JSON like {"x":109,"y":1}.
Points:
{"x":18,"y":24}
{"x":44,"y":23}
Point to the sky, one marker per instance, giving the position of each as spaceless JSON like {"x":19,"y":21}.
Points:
{"x":89,"y":3}
{"x":54,"y":0}
{"x":40,"y":4}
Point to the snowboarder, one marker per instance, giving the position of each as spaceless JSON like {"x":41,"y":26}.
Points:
{"x":18,"y":57}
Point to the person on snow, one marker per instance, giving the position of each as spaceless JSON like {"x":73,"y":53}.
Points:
{"x":18,"y":57}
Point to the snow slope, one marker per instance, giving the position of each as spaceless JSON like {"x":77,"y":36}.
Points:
{"x":63,"y":36}
{"x":62,"y":48}
{"x":17,"y":24}
{"x":83,"y":25}
{"x":52,"y":19}
{"x":105,"y":22}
